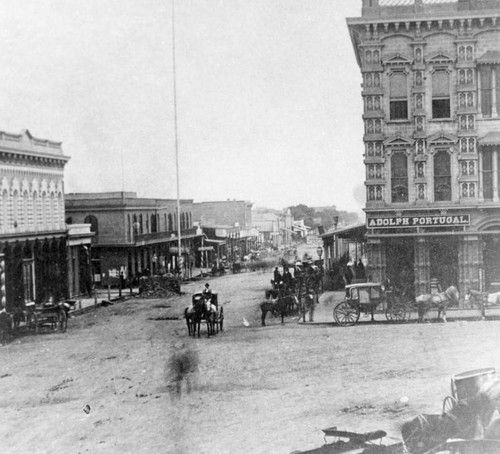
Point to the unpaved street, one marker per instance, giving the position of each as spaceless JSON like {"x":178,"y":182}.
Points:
{"x":247,"y":390}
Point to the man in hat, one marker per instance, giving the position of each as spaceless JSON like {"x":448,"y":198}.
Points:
{"x":207,"y":291}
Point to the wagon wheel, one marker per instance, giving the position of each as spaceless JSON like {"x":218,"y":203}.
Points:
{"x":62,"y":321}
{"x":346,"y":314}
{"x":449,"y":403}
{"x":32,"y":322}
{"x":396,"y":312}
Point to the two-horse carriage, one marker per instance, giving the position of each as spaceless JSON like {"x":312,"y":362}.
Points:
{"x":204,"y":308}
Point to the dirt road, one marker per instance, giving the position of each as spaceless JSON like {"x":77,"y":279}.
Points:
{"x":247,"y":390}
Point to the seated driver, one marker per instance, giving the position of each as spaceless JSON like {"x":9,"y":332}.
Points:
{"x":207,"y":291}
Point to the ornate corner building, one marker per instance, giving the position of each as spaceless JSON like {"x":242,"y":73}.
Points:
{"x":33,"y":234}
{"x":431,"y":94}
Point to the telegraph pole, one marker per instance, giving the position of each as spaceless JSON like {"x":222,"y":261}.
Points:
{"x":174,"y":71}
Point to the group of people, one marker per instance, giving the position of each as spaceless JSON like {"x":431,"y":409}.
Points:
{"x":354,"y":271}
{"x":284,"y":281}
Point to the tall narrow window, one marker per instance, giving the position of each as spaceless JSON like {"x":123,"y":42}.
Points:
{"x":486,"y":91}
{"x":487,"y":157}
{"x":442,"y":176}
{"x":440,"y":94}
{"x":28,"y":283}
{"x":399,"y":178}
{"x":398,"y":96}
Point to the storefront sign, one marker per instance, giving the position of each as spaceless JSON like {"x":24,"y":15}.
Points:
{"x":418,"y":221}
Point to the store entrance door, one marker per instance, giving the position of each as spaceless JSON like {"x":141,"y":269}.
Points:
{"x":443,"y":254}
{"x":400,"y":265}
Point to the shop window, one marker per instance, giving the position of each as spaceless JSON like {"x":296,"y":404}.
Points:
{"x":399,"y":178}
{"x":442,"y":176}
{"x":440,"y":94}
{"x":398,"y":96}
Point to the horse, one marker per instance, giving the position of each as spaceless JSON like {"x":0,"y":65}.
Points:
{"x":472,"y":418}
{"x":440,"y":300}
{"x":194,"y":314}
{"x":209,"y":313}
{"x":278,"y":304}
{"x":482,"y":300}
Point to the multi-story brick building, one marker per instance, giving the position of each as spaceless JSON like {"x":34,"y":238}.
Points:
{"x":431,"y":92}
{"x":227,"y":213}
{"x":33,"y":236}
{"x":134,"y":235}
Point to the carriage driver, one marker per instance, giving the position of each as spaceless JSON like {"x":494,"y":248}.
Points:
{"x":207,"y":292}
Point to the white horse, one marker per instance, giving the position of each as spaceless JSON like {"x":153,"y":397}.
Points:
{"x":482,"y":300}
{"x":438,"y":300}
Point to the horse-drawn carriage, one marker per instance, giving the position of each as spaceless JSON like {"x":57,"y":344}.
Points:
{"x":49,"y":315}
{"x":204,"y":308}
{"x":367,"y":297}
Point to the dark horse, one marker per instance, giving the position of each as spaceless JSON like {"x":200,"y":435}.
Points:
{"x":437,"y":300}
{"x":472,"y":418}
{"x":278,"y":303}
{"x":199,"y":310}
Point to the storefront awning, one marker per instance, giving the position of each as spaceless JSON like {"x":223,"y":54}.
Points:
{"x":352,"y":232}
{"x":491,"y":139}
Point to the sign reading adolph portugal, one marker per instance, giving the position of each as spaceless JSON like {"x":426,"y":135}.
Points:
{"x":417,"y":221}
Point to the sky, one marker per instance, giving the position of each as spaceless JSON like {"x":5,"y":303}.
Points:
{"x":268,"y":96}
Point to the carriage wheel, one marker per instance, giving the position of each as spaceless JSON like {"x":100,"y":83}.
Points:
{"x":396,"y":312}
{"x":346,"y":314}
{"x":449,"y":403}
{"x":62,"y":321}
{"x":32,"y":322}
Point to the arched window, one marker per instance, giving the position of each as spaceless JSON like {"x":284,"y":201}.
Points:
{"x":170,"y":223}
{"x":36,"y":219}
{"x":154,"y":227}
{"x":442,"y":176}
{"x":15,"y":208}
{"x":399,"y":177}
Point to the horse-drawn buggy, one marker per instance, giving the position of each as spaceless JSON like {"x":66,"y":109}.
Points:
{"x":49,"y":315}
{"x":204,"y":308}
{"x":367,"y":297}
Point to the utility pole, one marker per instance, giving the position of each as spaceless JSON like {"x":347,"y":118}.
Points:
{"x":179,"y":250}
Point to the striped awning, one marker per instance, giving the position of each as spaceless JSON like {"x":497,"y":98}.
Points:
{"x":490,"y":140}
{"x":491,"y":57}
